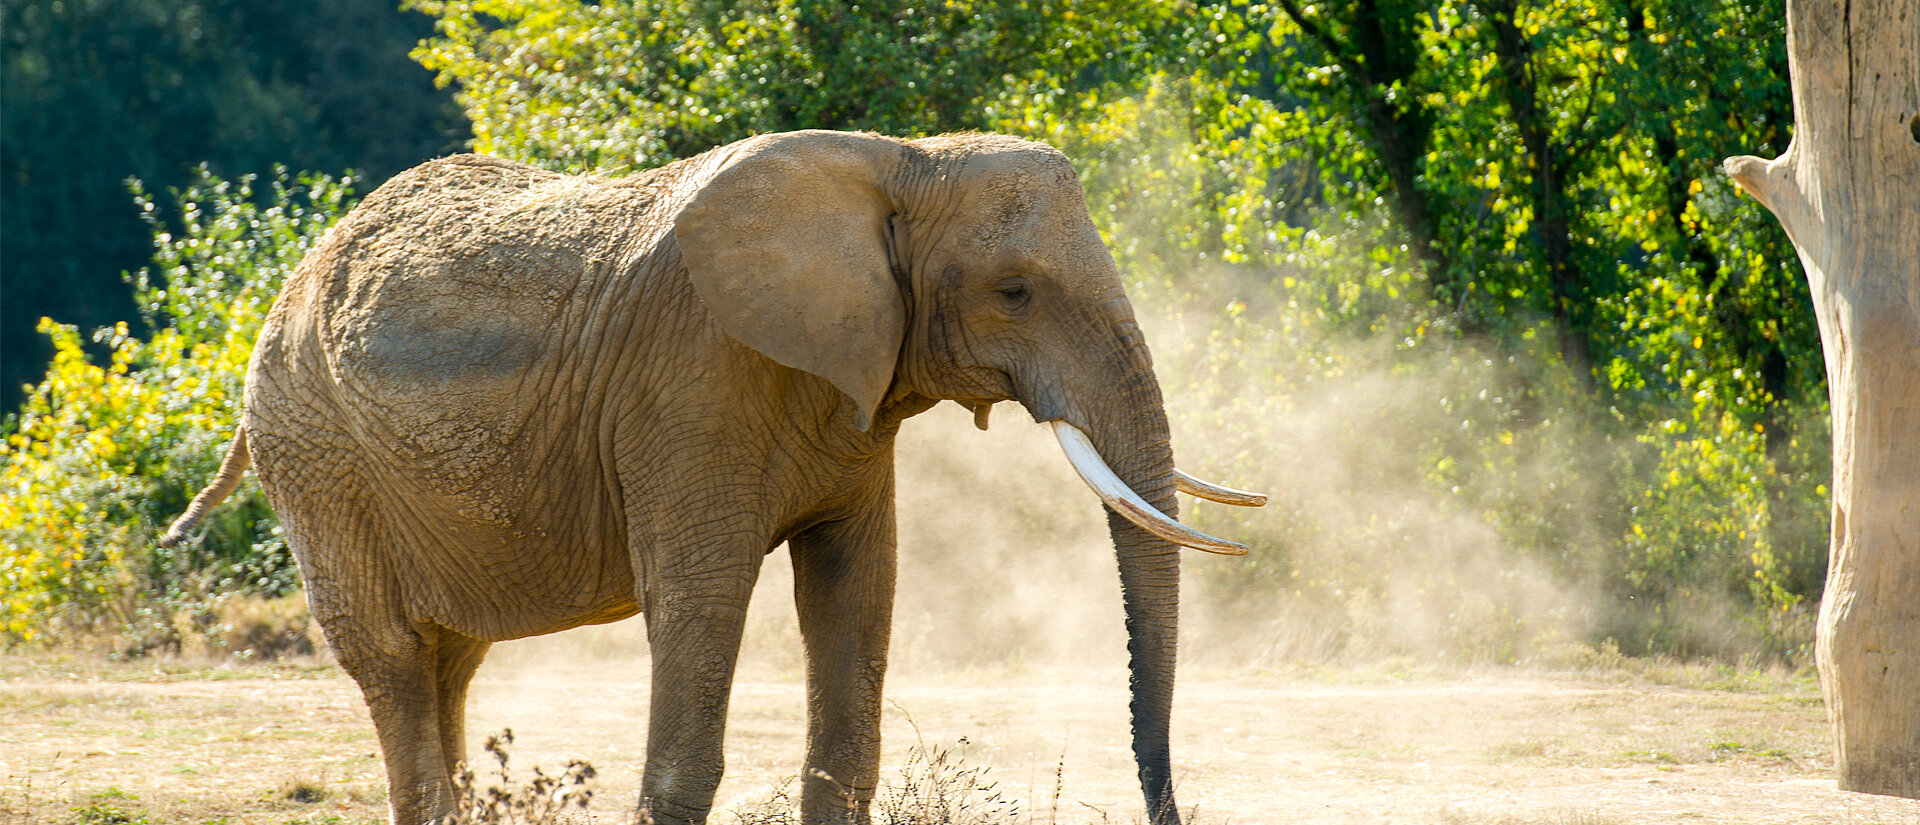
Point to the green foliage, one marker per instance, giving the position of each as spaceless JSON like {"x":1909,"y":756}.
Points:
{"x":1468,"y":266}
{"x":101,"y":90}
{"x":104,"y":455}
{"x":1549,"y":177}
{"x":105,"y":808}
{"x":636,"y":84}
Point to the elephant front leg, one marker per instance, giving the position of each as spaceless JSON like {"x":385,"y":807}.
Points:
{"x":843,"y":588}
{"x":694,"y":624}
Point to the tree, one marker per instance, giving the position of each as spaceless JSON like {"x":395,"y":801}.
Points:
{"x":98,"y":91}
{"x":619,"y":86}
{"x":1377,"y":48}
{"x":1552,"y":169}
{"x":1847,"y":189}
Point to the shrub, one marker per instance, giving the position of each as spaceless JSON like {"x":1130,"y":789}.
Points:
{"x":103,"y":455}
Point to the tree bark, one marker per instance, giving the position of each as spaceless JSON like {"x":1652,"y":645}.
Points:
{"x":1847,"y":191}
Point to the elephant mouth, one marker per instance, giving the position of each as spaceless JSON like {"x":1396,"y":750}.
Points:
{"x":1123,"y":500}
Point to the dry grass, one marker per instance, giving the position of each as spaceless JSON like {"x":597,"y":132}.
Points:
{"x":1567,"y":817}
{"x":84,"y":742}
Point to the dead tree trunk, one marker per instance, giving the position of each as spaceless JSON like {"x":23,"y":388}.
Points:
{"x":1848,"y":192}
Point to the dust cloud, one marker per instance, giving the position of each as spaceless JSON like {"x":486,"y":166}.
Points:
{"x":1362,"y":553}
{"x":1004,"y":560}
{"x":1368,"y":550}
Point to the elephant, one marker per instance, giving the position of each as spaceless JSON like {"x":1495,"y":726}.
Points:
{"x":496,"y":401}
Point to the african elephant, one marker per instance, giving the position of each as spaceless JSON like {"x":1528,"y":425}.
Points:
{"x":497,"y":401}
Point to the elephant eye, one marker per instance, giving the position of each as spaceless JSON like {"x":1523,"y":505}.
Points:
{"x":1014,"y":294}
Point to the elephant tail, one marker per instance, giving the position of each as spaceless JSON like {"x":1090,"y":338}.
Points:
{"x":223,"y":485}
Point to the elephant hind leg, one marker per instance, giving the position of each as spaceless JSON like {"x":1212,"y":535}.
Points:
{"x":455,"y":658}
{"x":412,"y":674}
{"x":415,"y":684}
{"x":395,"y":668}
{"x":407,"y":670}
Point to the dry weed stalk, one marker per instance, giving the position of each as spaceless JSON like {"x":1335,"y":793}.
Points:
{"x":541,"y":801}
{"x":938,"y":787}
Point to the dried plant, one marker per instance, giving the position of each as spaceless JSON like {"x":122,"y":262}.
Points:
{"x":938,"y":787}
{"x":541,"y":801}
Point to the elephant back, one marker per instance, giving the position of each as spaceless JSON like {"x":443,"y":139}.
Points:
{"x":451,"y":306}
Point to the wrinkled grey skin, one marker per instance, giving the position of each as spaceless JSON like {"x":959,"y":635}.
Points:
{"x":497,"y":402}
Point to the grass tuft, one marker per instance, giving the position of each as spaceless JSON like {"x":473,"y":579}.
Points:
{"x":104,"y":808}
{"x":303,"y":791}
{"x":780,"y":807}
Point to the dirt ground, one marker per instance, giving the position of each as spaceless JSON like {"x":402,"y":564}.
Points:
{"x":85,"y":743}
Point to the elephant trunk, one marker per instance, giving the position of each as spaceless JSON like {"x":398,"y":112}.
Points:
{"x":1150,"y":584}
{"x":1124,"y":454}
{"x":1132,"y":438}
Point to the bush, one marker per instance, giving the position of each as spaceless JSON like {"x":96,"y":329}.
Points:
{"x":103,"y":455}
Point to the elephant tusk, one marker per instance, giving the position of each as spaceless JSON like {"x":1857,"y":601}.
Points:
{"x":1214,"y":492}
{"x":1117,"y":495}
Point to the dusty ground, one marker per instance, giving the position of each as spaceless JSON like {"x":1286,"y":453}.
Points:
{"x":80,"y":742}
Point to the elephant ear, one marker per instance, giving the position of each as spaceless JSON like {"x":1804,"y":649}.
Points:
{"x":787,"y":245}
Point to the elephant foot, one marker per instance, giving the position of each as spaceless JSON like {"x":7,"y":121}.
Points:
{"x":666,"y":812}
{"x":828,"y":801}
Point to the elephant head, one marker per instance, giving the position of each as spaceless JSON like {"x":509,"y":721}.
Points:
{"x":962,"y":268}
